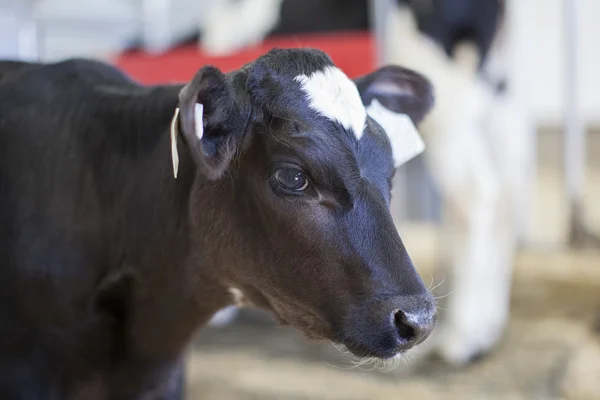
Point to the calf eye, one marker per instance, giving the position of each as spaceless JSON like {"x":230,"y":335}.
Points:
{"x":291,"y":179}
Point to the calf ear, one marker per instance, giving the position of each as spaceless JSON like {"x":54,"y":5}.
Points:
{"x":399,"y":90}
{"x":397,"y":99}
{"x":210,"y":121}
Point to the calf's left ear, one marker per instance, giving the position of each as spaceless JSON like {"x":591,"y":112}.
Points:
{"x":399,"y":90}
{"x":397,"y":99}
{"x":211,"y":121}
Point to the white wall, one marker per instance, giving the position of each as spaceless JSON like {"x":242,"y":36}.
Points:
{"x":540,"y":59}
{"x":94,"y":28}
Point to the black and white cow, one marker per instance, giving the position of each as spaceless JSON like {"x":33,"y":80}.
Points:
{"x":129,"y":215}
{"x":480,"y":141}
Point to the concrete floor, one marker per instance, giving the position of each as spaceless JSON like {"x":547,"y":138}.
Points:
{"x":551,"y":349}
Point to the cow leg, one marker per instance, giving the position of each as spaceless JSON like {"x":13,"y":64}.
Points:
{"x":478,"y":304}
{"x":463,"y":164}
{"x":511,"y":134}
{"x":483,"y":207}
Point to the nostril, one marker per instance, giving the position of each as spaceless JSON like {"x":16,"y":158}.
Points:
{"x":405,"y":329}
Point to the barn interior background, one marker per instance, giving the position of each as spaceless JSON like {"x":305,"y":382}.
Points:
{"x":551,"y":347}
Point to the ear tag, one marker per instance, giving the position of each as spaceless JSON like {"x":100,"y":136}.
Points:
{"x":198,"y":120}
{"x":174,"y":133}
{"x":199,"y":126}
{"x":401,"y":131}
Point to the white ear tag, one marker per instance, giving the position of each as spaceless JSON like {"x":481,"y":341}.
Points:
{"x":174,"y":133}
{"x":402,"y":133}
{"x":198,"y":119}
{"x":199,"y":126}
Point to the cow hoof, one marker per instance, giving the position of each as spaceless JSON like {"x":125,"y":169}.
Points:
{"x":460,"y":354}
{"x":461,"y":347}
{"x":580,"y":235}
{"x":582,"y":238}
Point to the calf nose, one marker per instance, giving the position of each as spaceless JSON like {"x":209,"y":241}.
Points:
{"x":413,"y":328}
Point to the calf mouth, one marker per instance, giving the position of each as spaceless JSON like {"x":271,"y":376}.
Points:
{"x":363,"y":334}
{"x":367,"y":351}
{"x":377,"y":342}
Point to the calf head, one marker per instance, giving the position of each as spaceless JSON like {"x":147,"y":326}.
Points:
{"x":300,"y":179}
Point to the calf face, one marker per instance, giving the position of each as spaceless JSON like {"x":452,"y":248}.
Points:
{"x":305,"y":176}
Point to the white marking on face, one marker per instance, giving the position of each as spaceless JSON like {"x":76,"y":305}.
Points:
{"x":402,"y":133}
{"x":332,"y":94}
{"x":238,"y":296}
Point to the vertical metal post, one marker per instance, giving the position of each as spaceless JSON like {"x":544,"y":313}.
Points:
{"x":574,"y":138}
{"x":380,"y":12}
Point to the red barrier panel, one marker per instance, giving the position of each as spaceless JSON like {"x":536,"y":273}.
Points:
{"x":353,"y":52}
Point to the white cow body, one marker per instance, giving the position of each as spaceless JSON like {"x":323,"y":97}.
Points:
{"x":477,"y":156}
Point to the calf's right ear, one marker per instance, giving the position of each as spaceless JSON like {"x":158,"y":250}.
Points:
{"x":210,"y":121}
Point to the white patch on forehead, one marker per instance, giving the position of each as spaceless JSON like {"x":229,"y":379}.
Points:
{"x":332,"y":94}
{"x":238,"y":296}
{"x":402,"y":133}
